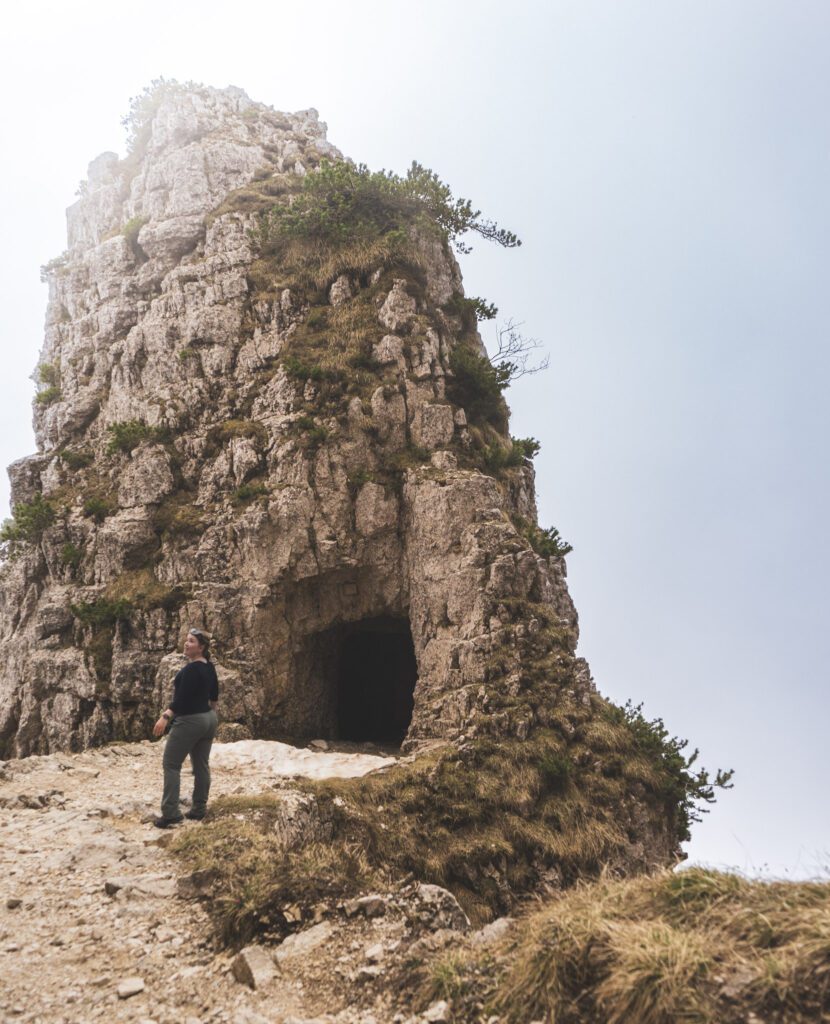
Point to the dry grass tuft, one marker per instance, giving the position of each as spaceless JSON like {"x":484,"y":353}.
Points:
{"x":258,"y":878}
{"x":686,"y":946}
{"x":446,"y":978}
{"x":144,"y":590}
{"x":356,"y":323}
{"x":655,"y":976}
{"x":317,"y":265}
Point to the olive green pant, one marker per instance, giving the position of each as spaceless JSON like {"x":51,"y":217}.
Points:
{"x":193,"y":735}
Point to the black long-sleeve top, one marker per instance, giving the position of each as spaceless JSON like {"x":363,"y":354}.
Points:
{"x":194,"y":687}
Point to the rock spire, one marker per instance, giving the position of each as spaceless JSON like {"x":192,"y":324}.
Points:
{"x":293,"y":448}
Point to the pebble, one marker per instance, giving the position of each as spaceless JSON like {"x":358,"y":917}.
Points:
{"x":437,"y":1013}
{"x":369,"y":973}
{"x":12,"y":903}
{"x":302,"y":943}
{"x":130,"y":987}
{"x":492,"y":933}
{"x":371,"y":906}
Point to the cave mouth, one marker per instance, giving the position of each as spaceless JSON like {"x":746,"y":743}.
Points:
{"x":375,"y":677}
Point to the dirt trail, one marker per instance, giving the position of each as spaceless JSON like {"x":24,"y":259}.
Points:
{"x":88,"y":901}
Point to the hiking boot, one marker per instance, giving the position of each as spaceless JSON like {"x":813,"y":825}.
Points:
{"x":195,"y":815}
{"x":167,"y":822}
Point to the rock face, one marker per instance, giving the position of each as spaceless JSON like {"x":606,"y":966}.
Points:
{"x":331,"y":531}
{"x":325,"y":534}
{"x":297,"y":447}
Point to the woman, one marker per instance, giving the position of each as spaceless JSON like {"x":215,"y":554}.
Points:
{"x":192,"y":712}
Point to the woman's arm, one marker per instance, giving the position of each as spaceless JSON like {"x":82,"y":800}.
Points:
{"x":169,"y":712}
{"x":165,"y":718}
{"x":213,"y":695}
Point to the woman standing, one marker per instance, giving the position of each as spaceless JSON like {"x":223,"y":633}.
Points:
{"x":192,"y":712}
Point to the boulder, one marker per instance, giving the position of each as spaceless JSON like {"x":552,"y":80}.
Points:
{"x":433,"y":908}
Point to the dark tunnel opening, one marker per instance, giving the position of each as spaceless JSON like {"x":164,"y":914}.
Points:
{"x":376,"y":677}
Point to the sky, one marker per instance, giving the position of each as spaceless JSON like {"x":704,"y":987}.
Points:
{"x":665,"y":165}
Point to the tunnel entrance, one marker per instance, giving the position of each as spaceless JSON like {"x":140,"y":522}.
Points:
{"x":375,"y":678}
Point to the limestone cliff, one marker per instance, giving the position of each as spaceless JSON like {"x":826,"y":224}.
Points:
{"x":279,"y":449}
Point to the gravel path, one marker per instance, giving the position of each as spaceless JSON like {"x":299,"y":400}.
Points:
{"x":91,"y":927}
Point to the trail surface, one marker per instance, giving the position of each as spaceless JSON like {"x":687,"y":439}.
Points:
{"x":88,"y":904}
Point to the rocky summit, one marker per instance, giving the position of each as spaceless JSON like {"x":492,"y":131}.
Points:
{"x":264,"y":409}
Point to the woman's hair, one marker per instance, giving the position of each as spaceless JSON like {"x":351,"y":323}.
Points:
{"x":203,"y":640}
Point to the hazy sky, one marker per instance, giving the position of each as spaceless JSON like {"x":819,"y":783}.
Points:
{"x":666,"y":165}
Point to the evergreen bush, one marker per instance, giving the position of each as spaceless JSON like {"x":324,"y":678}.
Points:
{"x":48,"y":374}
{"x":48,"y":396}
{"x":497,"y":457}
{"x":72,"y":555}
{"x":97,"y":508}
{"x":30,"y":519}
{"x":102,"y":613}
{"x":127,"y":435}
{"x":680,"y":786}
{"x":75,"y":459}
{"x":477,"y":385}
{"x":344,"y":203}
{"x":547,"y":542}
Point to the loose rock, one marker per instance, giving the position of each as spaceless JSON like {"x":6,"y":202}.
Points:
{"x":301,"y":943}
{"x":130,"y":987}
{"x":254,"y":966}
{"x":437,"y":1013}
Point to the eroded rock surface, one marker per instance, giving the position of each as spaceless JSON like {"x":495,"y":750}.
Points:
{"x":198,"y":478}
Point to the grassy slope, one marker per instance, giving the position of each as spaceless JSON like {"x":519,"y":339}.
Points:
{"x":693,"y":946}
{"x":490,"y":819}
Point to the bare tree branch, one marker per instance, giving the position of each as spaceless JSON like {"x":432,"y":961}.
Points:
{"x":512,"y":357}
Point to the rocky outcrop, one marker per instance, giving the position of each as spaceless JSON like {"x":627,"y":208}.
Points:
{"x":290,"y":456}
{"x":197,"y":479}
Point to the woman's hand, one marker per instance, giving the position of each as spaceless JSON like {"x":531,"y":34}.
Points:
{"x":160,"y":726}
